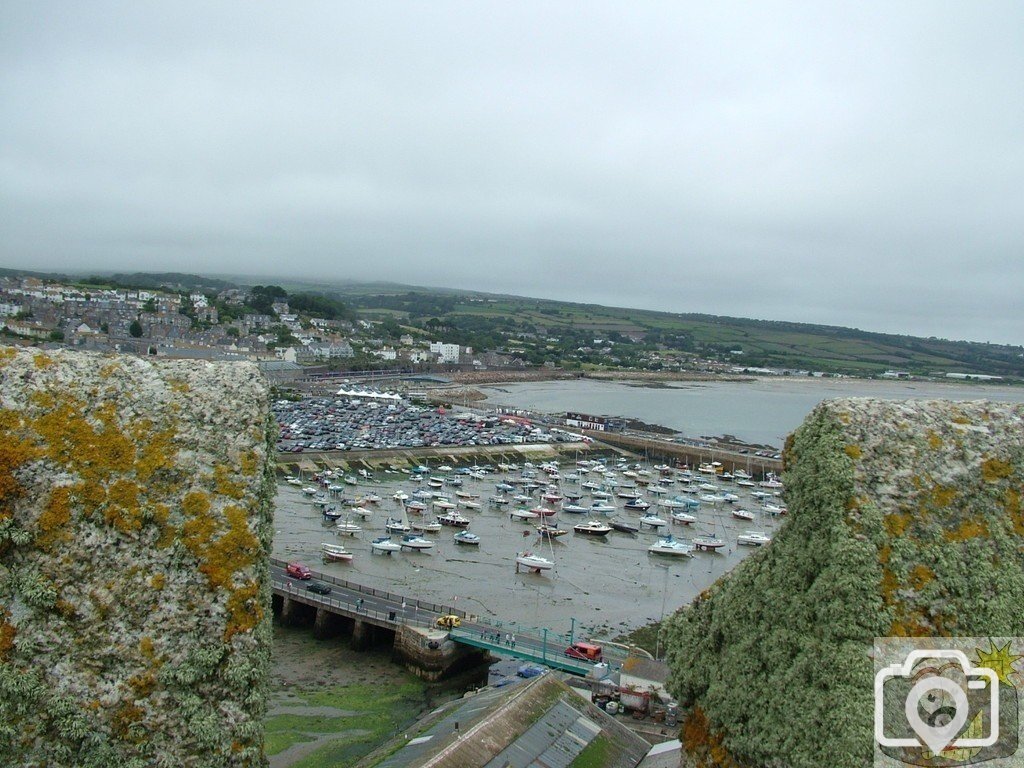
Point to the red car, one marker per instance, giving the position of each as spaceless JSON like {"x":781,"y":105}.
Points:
{"x":298,"y":571}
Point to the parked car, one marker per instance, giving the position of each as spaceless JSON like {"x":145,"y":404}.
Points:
{"x":319,"y":587}
{"x":529,"y":670}
{"x":584,"y":651}
{"x":298,"y":571}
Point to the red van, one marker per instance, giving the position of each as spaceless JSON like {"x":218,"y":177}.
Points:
{"x":585,"y":651}
{"x":298,"y":571}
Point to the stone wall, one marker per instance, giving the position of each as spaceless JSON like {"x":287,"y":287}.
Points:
{"x":135,"y":525}
{"x":905,"y":520}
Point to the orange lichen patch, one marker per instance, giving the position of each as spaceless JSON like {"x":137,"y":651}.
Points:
{"x":1012,"y":504}
{"x":42,"y":361}
{"x":236,"y":549}
{"x":244,"y":610}
{"x":225,"y":485}
{"x":889,"y":585}
{"x":912,"y":624}
{"x":884,"y":554}
{"x":16,"y":450}
{"x":7,"y":632}
{"x":122,"y":510}
{"x":66,"y":608}
{"x":896,"y":523}
{"x":960,"y":419}
{"x":142,"y":684}
{"x":109,"y":369}
{"x":158,"y":581}
{"x":7,"y":354}
{"x":94,"y":448}
{"x":853,"y":451}
{"x":179,"y":385}
{"x":126,"y":715}
{"x":920,"y":576}
{"x":156,"y":449}
{"x":53,"y":520}
{"x":943,"y":495}
{"x":247,"y":461}
{"x":934,"y":441}
{"x":146,"y":647}
{"x":705,"y":747}
{"x":993,"y":470}
{"x":968,"y":529}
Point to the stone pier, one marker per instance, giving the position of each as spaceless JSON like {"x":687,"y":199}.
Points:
{"x":432,"y":655}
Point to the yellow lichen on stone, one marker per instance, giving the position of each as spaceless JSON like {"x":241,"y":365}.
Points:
{"x":896,"y":523}
{"x":920,"y":575}
{"x":7,"y":633}
{"x":157,"y":581}
{"x":934,"y":441}
{"x":122,"y":508}
{"x":968,"y":529}
{"x":244,"y":610}
{"x":237,"y":548}
{"x":994,"y":470}
{"x":943,"y":495}
{"x":853,"y":451}
{"x":42,"y":361}
{"x":16,"y":450}
{"x":225,"y":485}
{"x":53,"y":521}
{"x":179,"y":385}
{"x":7,"y":354}
{"x":1013,"y":506}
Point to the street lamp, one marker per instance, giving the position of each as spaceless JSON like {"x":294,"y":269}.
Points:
{"x":572,"y":629}
{"x":544,"y":650}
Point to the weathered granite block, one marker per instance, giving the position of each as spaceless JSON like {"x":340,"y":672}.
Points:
{"x":135,"y":525}
{"x":905,"y":518}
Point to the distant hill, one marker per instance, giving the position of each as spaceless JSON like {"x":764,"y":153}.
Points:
{"x":175,"y":281}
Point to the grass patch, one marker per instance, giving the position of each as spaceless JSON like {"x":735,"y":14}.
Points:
{"x":378,"y":714}
{"x":645,"y":637}
{"x":594,"y":755}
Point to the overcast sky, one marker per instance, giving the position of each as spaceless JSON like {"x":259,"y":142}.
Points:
{"x":854,"y":164}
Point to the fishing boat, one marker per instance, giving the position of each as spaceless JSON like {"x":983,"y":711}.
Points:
{"x":652,"y":520}
{"x":753,"y":539}
{"x":599,"y":508}
{"x":465,"y":537}
{"x":334,"y":553}
{"x":575,"y":509}
{"x":669,"y":546}
{"x":683,"y":518}
{"x":592,"y":528}
{"x":624,"y":527}
{"x":425,"y":526}
{"x":385,"y":544}
{"x":412,"y":541}
{"x":742,"y":514}
{"x":396,"y":526}
{"x":453,"y":519}
{"x":550,"y":531}
{"x":708,"y":543}
{"x":636,"y":505}
{"x":532,"y":562}
{"x":523,"y":514}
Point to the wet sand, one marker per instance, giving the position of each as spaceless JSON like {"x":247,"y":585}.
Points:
{"x":608,"y":585}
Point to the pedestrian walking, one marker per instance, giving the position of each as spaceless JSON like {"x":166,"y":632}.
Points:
{"x":507,"y":641}
{"x":513,"y":640}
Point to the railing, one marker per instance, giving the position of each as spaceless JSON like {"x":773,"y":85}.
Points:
{"x":389,"y":596}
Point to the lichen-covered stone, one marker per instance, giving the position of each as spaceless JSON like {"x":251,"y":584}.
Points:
{"x":135,"y":527}
{"x":905,"y":518}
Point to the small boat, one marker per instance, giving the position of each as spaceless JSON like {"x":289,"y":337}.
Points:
{"x":623,"y":527}
{"x":293,"y":481}
{"x":575,"y":509}
{"x":637,"y":505}
{"x":592,"y":528}
{"x":309,"y":490}
{"x":385,"y":544}
{"x":708,"y":543}
{"x":416,"y":507}
{"x":349,"y":480}
{"x":347,"y":528}
{"x":412,"y":541}
{"x":543,"y":511}
{"x":590,"y":486}
{"x":523,"y":514}
{"x":730,"y":498}
{"x":503,"y":487}
{"x":465,"y":537}
{"x":673,"y":504}
{"x":454,"y":520}
{"x":435,"y":482}
{"x":628,"y":493}
{"x":602,"y":509}
{"x":552,"y":498}
{"x":400,"y":496}
{"x":684,"y":518}
{"x":669,"y":546}
{"x":430,"y":526}
{"x":533,"y":562}
{"x":710,"y":498}
{"x":521,"y":498}
{"x":774,"y":509}
{"x":753,"y":539}
{"x":550,"y":531}
{"x":331,"y":514}
{"x":499,"y":500}
{"x":334,"y":553}
{"x":466,"y":495}
{"x":709,"y":487}
{"x":771,"y":482}
{"x":396,"y":526}
{"x":600,"y":495}
{"x":370,"y":498}
{"x":657,"y":490}
{"x":363,"y":512}
{"x":746,"y":483}
{"x":470,"y":504}
{"x":652,"y":520}
{"x":742,"y":514}
{"x":442,"y":504}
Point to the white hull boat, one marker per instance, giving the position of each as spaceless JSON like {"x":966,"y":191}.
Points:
{"x":708,"y":543}
{"x":683,"y":518}
{"x":742,"y":514}
{"x":426,"y":527}
{"x":412,"y":541}
{"x":593,"y":528}
{"x":385,"y":544}
{"x":653,"y":521}
{"x":523,"y":514}
{"x":465,"y":537}
{"x":533,"y":562}
{"x":669,"y":546}
{"x":335,"y":553}
{"x":753,"y":539}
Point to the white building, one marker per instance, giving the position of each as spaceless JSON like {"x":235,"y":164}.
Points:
{"x":446,"y":353}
